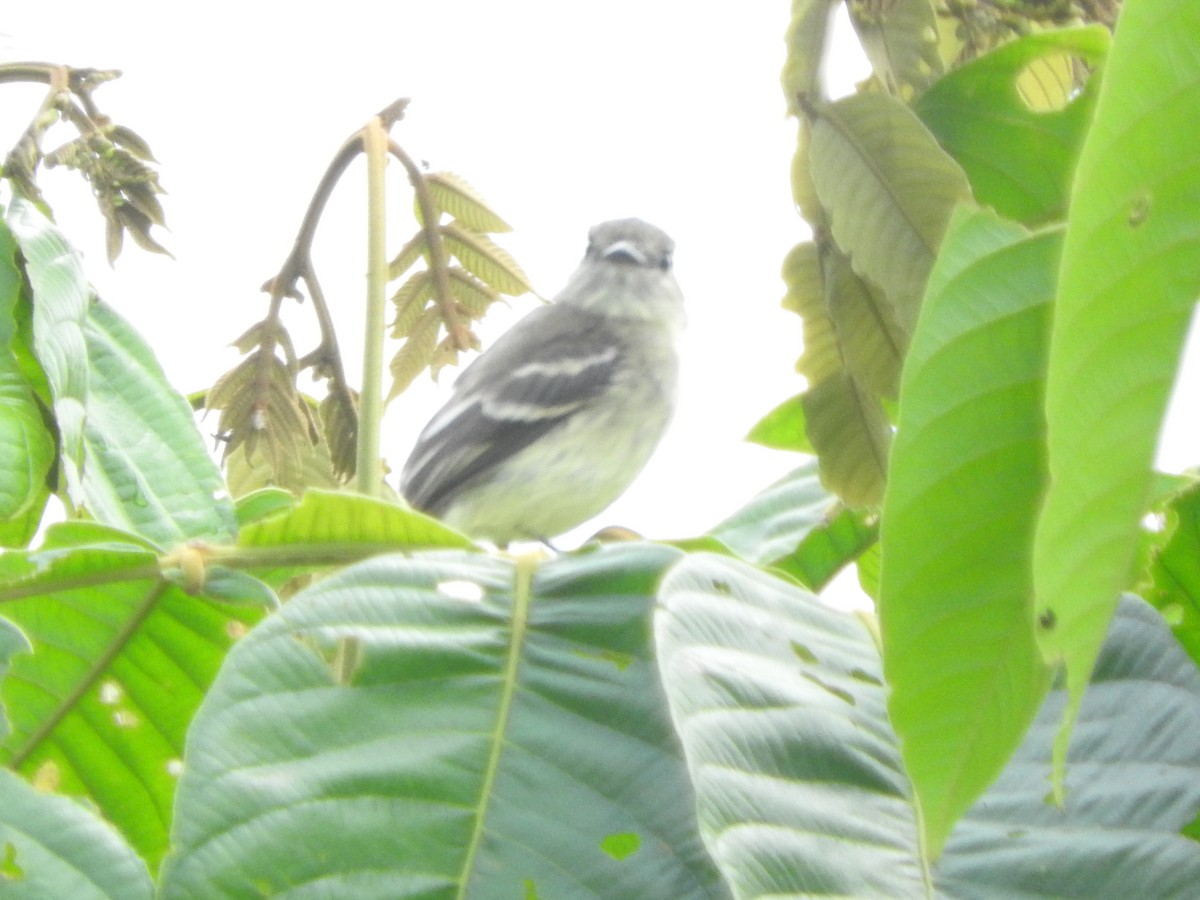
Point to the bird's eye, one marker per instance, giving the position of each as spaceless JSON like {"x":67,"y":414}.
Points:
{"x":665,"y":262}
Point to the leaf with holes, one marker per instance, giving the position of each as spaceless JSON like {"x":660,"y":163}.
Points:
{"x":54,"y":847}
{"x":1128,"y":285}
{"x":966,"y":478}
{"x":120,"y":660}
{"x":781,"y":707}
{"x":473,"y":727}
{"x":1019,"y":160}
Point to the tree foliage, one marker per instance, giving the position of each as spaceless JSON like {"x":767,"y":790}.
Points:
{"x":242,"y":679}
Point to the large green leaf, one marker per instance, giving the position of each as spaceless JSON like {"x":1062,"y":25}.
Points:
{"x":120,"y":661}
{"x":1020,"y":160}
{"x":889,"y":190}
{"x":60,"y":304}
{"x":779,"y":703}
{"x":147,"y":470}
{"x":53,"y":847}
{"x":25,"y":442}
{"x":343,"y":519}
{"x":449,"y":725}
{"x":1131,"y":786}
{"x":964,"y":487}
{"x":1129,"y":280}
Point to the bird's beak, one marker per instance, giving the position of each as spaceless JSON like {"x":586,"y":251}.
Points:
{"x":625,"y":253}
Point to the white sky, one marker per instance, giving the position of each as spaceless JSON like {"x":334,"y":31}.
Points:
{"x":560,"y":114}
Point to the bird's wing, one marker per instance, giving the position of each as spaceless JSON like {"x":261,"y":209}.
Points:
{"x":529,"y":382}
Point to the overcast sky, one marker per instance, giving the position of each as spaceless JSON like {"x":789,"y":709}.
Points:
{"x":561,"y":114}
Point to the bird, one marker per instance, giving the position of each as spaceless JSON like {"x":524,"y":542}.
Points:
{"x":547,"y":427}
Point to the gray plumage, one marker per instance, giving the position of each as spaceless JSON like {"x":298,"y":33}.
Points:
{"x":553,"y":422}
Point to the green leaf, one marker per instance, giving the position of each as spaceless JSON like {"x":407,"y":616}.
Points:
{"x":452,"y":194}
{"x":1129,"y":281}
{"x":25,"y":443}
{"x":1175,"y":571}
{"x":774,"y":522}
{"x":1019,"y":160}
{"x":1133,"y":783}
{"x":802,"y":273}
{"x":327,"y":517}
{"x":782,"y":428}
{"x":850,"y":431}
{"x":888,"y":189}
{"x":54,"y":847}
{"x":231,"y":586}
{"x":781,"y":708}
{"x":472,"y":728}
{"x":805,"y":40}
{"x":148,"y":470}
{"x":901,"y":41}
{"x":489,"y":262}
{"x":871,"y":342}
{"x":262,"y":503}
{"x":827,"y":549}
{"x":966,"y":479}
{"x":120,"y":661}
{"x":60,"y":308}
{"x":780,"y":704}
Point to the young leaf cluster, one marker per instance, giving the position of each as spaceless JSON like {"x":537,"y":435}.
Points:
{"x":463,"y":273}
{"x":315,"y":443}
{"x":112,"y":158}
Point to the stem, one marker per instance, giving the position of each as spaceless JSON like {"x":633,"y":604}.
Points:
{"x":369,"y":469}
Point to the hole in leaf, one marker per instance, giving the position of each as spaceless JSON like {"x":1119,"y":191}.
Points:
{"x":466,"y":591}
{"x":804,"y":653}
{"x":838,"y":692}
{"x":860,"y":675}
{"x":722,"y":588}
{"x":126,"y":719}
{"x":621,"y":845}
{"x":110,"y":693}
{"x":1051,"y":82}
{"x":9,"y":870}
{"x":616,"y":657}
{"x":1139,"y":209}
